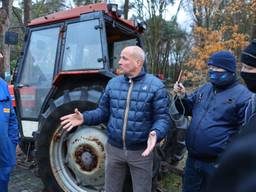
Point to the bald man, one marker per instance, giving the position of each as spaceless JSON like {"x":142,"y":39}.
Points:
{"x":135,"y":105}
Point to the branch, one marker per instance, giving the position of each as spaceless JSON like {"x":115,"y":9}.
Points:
{"x":18,"y":16}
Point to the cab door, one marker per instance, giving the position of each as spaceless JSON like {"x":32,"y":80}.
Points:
{"x":35,"y":76}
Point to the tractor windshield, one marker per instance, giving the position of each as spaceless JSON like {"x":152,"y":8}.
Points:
{"x":83,"y":49}
{"x":37,"y":71}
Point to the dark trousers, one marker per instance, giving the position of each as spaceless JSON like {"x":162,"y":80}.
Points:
{"x":197,"y":174}
{"x":117,"y":161}
{"x":4,"y":178}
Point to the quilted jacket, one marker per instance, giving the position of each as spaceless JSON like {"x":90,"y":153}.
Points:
{"x":132,"y":108}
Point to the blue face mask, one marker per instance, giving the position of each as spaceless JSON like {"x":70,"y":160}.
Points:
{"x":221,"y":79}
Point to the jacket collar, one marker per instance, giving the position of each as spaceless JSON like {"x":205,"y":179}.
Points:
{"x":219,"y":89}
{"x":138,"y":77}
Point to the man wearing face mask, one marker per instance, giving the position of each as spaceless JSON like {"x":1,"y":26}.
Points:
{"x":217,"y":110}
{"x":242,"y":153}
{"x":248,"y":73}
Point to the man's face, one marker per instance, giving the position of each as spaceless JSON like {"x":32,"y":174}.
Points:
{"x":248,"y":73}
{"x":248,"y":68}
{"x":128,"y":64}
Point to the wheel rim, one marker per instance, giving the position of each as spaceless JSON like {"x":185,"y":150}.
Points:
{"x":77,"y":159}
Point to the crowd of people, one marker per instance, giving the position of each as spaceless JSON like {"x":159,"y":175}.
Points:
{"x":136,"y":108}
{"x":135,"y":105}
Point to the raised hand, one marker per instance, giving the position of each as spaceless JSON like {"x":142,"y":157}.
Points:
{"x":151,"y":143}
{"x":70,"y":121}
{"x":179,"y":88}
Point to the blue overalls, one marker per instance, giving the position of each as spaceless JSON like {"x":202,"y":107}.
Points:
{"x":9,"y":136}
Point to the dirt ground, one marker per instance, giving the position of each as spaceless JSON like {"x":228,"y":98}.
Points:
{"x":23,"y":177}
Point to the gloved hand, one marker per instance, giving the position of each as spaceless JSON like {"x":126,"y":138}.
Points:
{"x":179,"y":89}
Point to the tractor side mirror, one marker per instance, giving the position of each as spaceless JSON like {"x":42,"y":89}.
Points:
{"x":11,"y":38}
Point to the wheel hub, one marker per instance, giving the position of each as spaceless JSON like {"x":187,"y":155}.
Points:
{"x":77,"y":158}
{"x":86,"y":157}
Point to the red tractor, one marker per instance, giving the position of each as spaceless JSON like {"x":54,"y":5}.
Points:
{"x":67,"y":59}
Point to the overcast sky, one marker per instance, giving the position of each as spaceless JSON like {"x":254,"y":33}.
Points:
{"x":183,"y":18}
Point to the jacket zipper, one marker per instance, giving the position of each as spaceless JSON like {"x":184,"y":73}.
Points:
{"x":126,"y":112}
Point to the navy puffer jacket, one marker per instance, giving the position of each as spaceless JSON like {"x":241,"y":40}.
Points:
{"x":147,"y":110}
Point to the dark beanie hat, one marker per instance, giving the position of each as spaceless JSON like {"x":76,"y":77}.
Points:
{"x":248,"y":55}
{"x":223,"y":59}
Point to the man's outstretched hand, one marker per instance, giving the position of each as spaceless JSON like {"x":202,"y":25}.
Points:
{"x":70,"y":121}
{"x":151,"y":143}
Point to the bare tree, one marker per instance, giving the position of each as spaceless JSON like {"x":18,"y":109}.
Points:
{"x":5,"y":14}
{"x":126,"y":9}
{"x":158,"y":36}
{"x":27,"y":11}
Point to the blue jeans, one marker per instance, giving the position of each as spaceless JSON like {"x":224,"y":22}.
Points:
{"x":4,"y":178}
{"x":197,"y":174}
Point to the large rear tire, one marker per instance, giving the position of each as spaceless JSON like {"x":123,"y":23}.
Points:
{"x":71,"y":161}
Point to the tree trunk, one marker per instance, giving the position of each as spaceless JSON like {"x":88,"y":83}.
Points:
{"x":254,"y":28}
{"x":27,"y":10}
{"x":1,"y":64}
{"x":126,"y":9}
{"x":5,"y":14}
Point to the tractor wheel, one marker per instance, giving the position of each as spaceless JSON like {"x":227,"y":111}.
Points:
{"x":71,"y":161}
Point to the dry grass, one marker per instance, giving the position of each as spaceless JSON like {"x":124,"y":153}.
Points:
{"x":171,"y":183}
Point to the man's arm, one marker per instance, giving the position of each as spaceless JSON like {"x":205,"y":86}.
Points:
{"x":92,"y":117}
{"x":183,"y":103}
{"x":101,"y":113}
{"x":161,"y":116}
{"x":13,"y":128}
{"x":243,"y":107}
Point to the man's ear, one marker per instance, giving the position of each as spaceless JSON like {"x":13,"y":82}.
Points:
{"x":139,"y":63}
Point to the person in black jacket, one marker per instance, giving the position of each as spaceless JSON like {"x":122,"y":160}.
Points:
{"x":248,"y":73}
{"x":237,"y":170}
{"x":217,"y":110}
{"x":136,"y":107}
